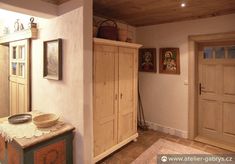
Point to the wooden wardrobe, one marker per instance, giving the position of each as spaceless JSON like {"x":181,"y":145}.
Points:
{"x":115,"y":74}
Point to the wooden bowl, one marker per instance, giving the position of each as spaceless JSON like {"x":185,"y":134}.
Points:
{"x":45,"y":120}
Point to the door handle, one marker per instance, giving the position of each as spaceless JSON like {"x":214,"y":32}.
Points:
{"x":201,"y":89}
{"x":121,"y":95}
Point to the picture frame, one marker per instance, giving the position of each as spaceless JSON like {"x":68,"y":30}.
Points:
{"x":169,"y":60}
{"x":52,"y":58}
{"x":147,"y":60}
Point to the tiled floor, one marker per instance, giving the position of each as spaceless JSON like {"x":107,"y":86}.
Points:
{"x":131,"y":151}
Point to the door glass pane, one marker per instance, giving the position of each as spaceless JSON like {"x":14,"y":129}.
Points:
{"x":13,"y":68}
{"x":14,"y":53}
{"x":21,"y":69}
{"x":219,"y":52}
{"x":231,"y":52}
{"x":208,"y":53}
{"x":21,"y":52}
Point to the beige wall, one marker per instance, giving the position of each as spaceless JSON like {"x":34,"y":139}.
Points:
{"x":165,"y":97}
{"x":71,"y":97}
{"x":65,"y":97}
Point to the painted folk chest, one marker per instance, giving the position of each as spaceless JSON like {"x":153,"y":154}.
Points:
{"x":55,"y":147}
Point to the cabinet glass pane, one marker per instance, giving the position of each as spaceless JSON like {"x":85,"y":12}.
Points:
{"x":14,"y":53}
{"x":219,"y":52}
{"x":208,"y":53}
{"x":231,"y":52}
{"x":21,"y":52}
{"x":13,"y":68}
{"x":21,"y":69}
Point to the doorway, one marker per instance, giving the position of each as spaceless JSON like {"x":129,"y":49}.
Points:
{"x":216,"y":98}
{"x":15,"y":77}
{"x":212,"y":89}
{"x":19,"y":80}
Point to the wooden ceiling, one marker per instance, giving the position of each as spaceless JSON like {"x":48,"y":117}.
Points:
{"x":149,"y":12}
{"x":56,"y":2}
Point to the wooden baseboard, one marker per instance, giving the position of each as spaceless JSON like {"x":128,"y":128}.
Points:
{"x":114,"y":148}
{"x":220,"y":144}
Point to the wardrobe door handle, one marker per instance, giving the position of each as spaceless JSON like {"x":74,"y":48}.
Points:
{"x":121,"y":95}
{"x":201,"y":89}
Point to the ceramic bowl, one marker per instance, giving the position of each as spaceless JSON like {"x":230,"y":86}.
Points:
{"x":20,"y":118}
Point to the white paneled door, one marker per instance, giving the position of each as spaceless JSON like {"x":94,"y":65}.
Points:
{"x":19,"y":77}
{"x":216,"y":101}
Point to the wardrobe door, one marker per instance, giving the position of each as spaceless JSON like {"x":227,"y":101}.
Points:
{"x":105,"y":97}
{"x":127,"y":93}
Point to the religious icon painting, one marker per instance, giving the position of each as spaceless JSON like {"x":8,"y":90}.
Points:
{"x":169,"y":61}
{"x":147,"y":60}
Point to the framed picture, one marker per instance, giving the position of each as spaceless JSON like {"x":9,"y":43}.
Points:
{"x":169,"y":60}
{"x":147,"y":60}
{"x":52,"y":68}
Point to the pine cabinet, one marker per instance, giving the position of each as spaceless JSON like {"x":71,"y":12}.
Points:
{"x":115,"y":71}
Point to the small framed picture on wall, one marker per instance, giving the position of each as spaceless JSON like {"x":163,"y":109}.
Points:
{"x":169,"y":61}
{"x":147,"y":60}
{"x":52,"y":59}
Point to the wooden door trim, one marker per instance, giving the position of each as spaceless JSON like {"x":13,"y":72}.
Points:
{"x":4,"y":83}
{"x":193,"y":42}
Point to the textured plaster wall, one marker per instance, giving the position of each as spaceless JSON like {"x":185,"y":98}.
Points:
{"x":63,"y":97}
{"x":71,"y":97}
{"x":165,"y":97}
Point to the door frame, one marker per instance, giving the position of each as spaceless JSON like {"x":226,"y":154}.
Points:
{"x":5,"y":112}
{"x":193,"y":45}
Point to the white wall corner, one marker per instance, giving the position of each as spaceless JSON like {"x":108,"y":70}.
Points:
{"x":87,"y":80}
{"x":168,"y":130}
